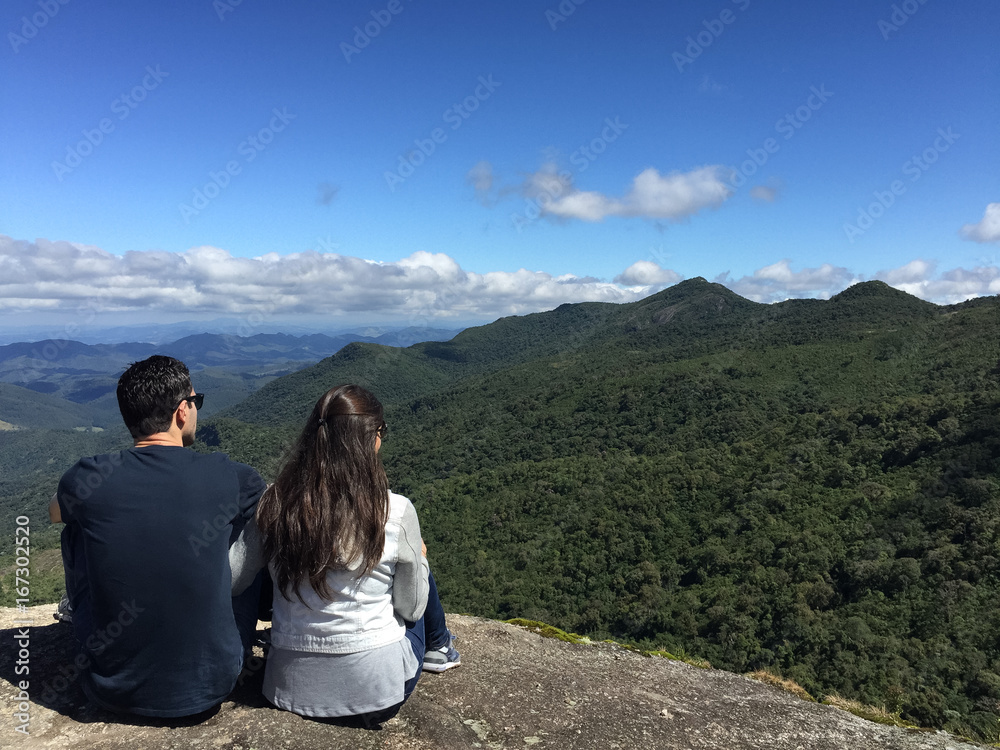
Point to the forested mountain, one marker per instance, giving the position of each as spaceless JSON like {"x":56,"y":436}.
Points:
{"x":809,"y":487}
{"x":231,"y":366}
{"x":26,"y":408}
{"x":31,"y":463}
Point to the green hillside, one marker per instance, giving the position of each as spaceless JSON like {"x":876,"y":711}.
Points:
{"x":31,"y":463}
{"x":680,"y":314}
{"x":809,"y":487}
{"x":26,"y":408}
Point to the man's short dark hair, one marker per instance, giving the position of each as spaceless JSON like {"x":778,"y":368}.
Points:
{"x":150,"y":391}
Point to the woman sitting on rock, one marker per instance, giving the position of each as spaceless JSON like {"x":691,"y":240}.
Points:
{"x":356,"y":611}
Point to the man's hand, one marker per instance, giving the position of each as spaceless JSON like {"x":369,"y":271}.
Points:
{"x":54,"y":515}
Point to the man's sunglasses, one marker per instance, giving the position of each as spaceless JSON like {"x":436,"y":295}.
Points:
{"x":197,"y":399}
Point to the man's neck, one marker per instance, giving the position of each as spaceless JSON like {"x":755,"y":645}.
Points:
{"x":160,"y":438}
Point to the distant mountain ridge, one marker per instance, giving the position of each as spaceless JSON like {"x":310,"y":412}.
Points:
{"x":211,"y":349}
{"x":92,"y":332}
{"x":694,"y":316}
{"x":87,"y":374}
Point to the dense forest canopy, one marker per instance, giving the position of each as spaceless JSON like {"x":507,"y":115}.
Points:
{"x":809,"y":487}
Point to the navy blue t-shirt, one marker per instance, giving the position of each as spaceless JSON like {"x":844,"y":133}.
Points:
{"x":150,"y":578}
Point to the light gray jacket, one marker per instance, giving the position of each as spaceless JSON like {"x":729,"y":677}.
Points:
{"x":364,"y":613}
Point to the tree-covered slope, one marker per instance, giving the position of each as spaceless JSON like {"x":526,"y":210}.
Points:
{"x":694,"y":313}
{"x":26,"y":408}
{"x":31,"y":463}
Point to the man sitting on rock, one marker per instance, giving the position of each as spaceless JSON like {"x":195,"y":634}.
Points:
{"x":146,"y":552}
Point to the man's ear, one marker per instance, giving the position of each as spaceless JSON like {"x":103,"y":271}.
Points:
{"x":181,"y":414}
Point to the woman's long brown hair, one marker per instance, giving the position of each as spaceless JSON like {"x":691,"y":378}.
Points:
{"x":329,"y":505}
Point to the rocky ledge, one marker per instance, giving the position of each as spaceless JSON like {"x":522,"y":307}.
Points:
{"x":514,"y":689}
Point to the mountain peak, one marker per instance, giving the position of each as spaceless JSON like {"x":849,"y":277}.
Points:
{"x":696,"y":285}
{"x":871,"y":298}
{"x":871,"y":290}
{"x":691,"y":302}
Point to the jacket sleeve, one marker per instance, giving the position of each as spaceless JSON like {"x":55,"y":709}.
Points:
{"x":246,"y":557}
{"x":409,"y":585}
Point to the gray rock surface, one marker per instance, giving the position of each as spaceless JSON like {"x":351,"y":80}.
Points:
{"x":515,"y":689}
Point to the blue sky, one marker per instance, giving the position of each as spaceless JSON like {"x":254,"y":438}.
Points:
{"x":444,"y":163}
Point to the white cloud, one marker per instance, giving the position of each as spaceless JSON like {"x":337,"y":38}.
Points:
{"x":914,"y":272}
{"x":647,"y":273}
{"x":957,"y":285}
{"x":674,"y":196}
{"x":778,"y":282}
{"x":586,"y":206}
{"x":421,"y":288}
{"x":987,"y":229}
{"x":709,"y":85}
{"x":677,"y":196}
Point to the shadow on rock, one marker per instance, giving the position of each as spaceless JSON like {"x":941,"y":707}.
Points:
{"x":54,"y":667}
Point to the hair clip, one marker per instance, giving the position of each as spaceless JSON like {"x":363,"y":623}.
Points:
{"x":322,"y":421}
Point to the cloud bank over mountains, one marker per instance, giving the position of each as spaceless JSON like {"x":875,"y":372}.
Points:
{"x":50,"y":276}
{"x":421,"y":289}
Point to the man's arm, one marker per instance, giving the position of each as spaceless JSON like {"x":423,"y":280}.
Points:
{"x":54,"y":514}
{"x":252,"y":486}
